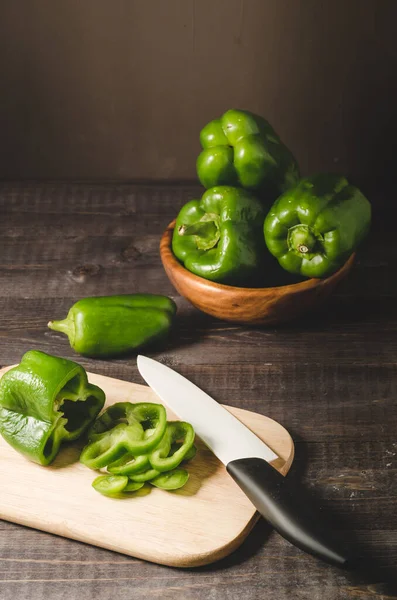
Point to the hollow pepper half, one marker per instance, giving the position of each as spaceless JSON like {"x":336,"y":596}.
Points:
{"x":220,"y":237}
{"x":106,"y":326}
{"x":314,"y":227}
{"x":241,"y":148}
{"x":44,"y":401}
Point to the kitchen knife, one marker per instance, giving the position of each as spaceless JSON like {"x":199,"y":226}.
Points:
{"x":247,"y":460}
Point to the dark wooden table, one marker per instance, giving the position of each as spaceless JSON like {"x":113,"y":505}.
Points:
{"x":331,"y":379}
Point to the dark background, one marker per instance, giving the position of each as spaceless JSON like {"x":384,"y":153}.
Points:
{"x":120,"y":90}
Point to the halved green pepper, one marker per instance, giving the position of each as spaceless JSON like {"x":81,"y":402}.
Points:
{"x":44,"y":401}
{"x":314,"y":227}
{"x":220,"y":237}
{"x":106,"y":326}
{"x":121,"y":430}
{"x":241,"y":148}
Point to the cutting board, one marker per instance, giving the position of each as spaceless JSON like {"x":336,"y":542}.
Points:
{"x":199,"y":524}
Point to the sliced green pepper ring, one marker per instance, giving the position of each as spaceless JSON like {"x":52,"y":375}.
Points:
{"x":129,"y":464}
{"x":133,"y":486}
{"x":111,"y":445}
{"x":110,"y":485}
{"x":172,"y":480}
{"x":121,"y":429}
{"x":147,"y":475}
{"x":149,"y":415}
{"x":190,"y":454}
{"x":177,"y":431}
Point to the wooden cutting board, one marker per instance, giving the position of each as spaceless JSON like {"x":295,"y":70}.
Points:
{"x":199,"y":524}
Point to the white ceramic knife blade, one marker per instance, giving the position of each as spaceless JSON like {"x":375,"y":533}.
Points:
{"x":221,"y":431}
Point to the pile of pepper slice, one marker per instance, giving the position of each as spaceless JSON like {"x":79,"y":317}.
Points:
{"x":136,"y":444}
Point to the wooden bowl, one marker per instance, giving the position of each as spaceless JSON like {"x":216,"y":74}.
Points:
{"x":260,"y":306}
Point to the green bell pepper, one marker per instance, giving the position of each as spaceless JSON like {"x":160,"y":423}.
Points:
{"x":121,"y":429}
{"x":314,"y":227}
{"x":242,"y":149}
{"x":44,"y":401}
{"x":106,"y":326}
{"x":220,"y":236}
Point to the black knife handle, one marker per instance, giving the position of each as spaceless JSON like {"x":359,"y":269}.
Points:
{"x":284,"y":507}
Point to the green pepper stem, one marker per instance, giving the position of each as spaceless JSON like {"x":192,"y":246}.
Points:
{"x":206,"y":231}
{"x":302,"y":239}
{"x":202,"y":228}
{"x":64,"y":326}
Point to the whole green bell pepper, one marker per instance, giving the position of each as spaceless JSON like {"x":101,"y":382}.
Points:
{"x":220,"y":236}
{"x":44,"y":401}
{"x":314,"y":227}
{"x":106,"y":326}
{"x":241,"y":148}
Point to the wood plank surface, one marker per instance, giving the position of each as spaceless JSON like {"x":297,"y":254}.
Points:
{"x":330,"y":379}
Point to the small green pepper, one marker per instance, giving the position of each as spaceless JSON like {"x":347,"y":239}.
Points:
{"x":44,"y":401}
{"x":107,"y":326}
{"x":314,"y":227}
{"x":220,"y":237}
{"x":120,"y":430}
{"x":242,"y":149}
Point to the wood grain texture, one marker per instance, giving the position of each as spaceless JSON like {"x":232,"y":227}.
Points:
{"x":197,"y":525}
{"x":248,"y":306}
{"x":330,"y":378}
